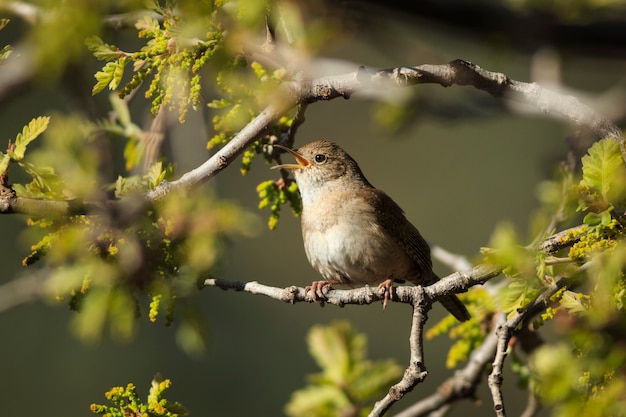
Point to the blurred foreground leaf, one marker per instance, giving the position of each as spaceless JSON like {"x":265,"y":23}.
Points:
{"x":348,"y":383}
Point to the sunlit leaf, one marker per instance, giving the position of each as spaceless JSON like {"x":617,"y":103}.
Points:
{"x":4,"y":163}
{"x":519,"y":293}
{"x":575,"y":302}
{"x":604,"y":170}
{"x":29,"y":133}
{"x":110,"y":75}
{"x":121,"y":109}
{"x":5,"y":52}
{"x":348,"y":382}
{"x":336,"y":348}
{"x":316,"y":401}
{"x":102,"y":50}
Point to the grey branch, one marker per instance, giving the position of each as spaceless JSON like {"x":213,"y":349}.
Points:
{"x":560,"y":240}
{"x":26,"y":288}
{"x":453,"y":283}
{"x":421,"y":298}
{"x":464,"y":382}
{"x":416,"y":372}
{"x":457,"y":72}
{"x":34,"y":14}
{"x":226,"y":155}
{"x":504,"y":332}
{"x":492,"y":350}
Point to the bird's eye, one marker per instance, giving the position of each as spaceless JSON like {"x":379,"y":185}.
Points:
{"x":320,"y":158}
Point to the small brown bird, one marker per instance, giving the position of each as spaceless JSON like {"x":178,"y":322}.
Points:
{"x":354,"y":233}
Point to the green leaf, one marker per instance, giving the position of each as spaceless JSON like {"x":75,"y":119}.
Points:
{"x":118,"y":73}
{"x":133,"y":153}
{"x":317,"y":401}
{"x":45,"y":182}
{"x":30,"y":132}
{"x":156,"y":174}
{"x":349,"y":383}
{"x":219,"y":103}
{"x":519,"y":293}
{"x":148,"y":23}
{"x":505,"y":249}
{"x":121,"y":109}
{"x":596,"y":219}
{"x":111,"y":76}
{"x":604,"y":170}
{"x":575,"y":302}
{"x":102,"y":50}
{"x":372,"y":379}
{"x":5,"y":52}
{"x":4,"y":163}
{"x":104,"y":77}
{"x":336,"y":348}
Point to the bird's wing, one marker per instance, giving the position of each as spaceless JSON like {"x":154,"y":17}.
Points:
{"x":397,"y":225}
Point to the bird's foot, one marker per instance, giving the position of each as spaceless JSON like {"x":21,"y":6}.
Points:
{"x":387,"y":286}
{"x":317,"y":290}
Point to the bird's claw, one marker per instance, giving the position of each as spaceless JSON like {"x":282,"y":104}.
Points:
{"x":317,"y":291}
{"x":387,"y":287}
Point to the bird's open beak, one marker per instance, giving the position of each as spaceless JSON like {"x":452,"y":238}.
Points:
{"x":302,"y":161}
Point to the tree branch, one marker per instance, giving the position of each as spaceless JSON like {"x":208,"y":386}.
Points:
{"x":457,"y":72}
{"x":505,"y":332}
{"x":453,"y":283}
{"x":416,"y":372}
{"x":464,"y":382}
{"x":421,"y":298}
{"x":22,"y":290}
{"x":226,"y":155}
{"x":33,"y":14}
{"x":561,"y":240}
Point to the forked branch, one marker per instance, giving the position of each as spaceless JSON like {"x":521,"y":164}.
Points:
{"x":295,"y":93}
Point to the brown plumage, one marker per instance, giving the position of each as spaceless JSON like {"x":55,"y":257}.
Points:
{"x":354,"y":233}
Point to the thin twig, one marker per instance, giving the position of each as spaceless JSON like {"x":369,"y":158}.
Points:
{"x":416,"y":372}
{"x":560,"y":240}
{"x":532,"y":404}
{"x":464,"y":382}
{"x":451,"y":260}
{"x":504,"y":333}
{"x":22,"y":290}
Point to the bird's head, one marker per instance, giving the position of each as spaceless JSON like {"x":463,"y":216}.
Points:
{"x":322,"y":163}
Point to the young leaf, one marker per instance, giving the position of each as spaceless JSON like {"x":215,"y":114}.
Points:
{"x":575,"y":302}
{"x":4,"y":163}
{"x":604,"y":170}
{"x":519,"y":293}
{"x":111,"y":76}
{"x":5,"y":52}
{"x":101,"y":50}
{"x":30,"y":132}
{"x":336,"y":348}
{"x":349,"y":382}
{"x":156,"y":174}
{"x":117,"y":74}
{"x":104,"y":77}
{"x":120,"y":107}
{"x":316,"y":401}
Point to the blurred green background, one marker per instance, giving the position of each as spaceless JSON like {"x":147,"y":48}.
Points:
{"x":463,"y":164}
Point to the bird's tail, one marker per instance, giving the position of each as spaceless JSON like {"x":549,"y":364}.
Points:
{"x":451,"y":302}
{"x":455,"y":307}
